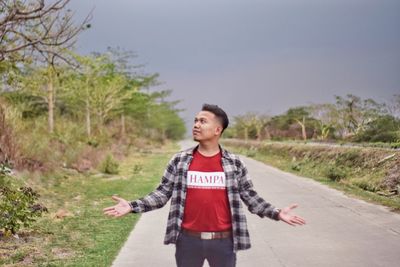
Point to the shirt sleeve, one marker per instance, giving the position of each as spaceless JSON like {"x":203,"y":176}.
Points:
{"x":255,"y":203}
{"x":160,"y":196}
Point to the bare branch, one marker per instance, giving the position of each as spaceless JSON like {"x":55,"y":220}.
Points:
{"x":33,"y":26}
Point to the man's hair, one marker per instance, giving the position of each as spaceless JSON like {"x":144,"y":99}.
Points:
{"x":219,"y":113}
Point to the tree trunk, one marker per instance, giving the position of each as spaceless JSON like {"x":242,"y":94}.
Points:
{"x":267,"y":133}
{"x":303,"y":129}
{"x":88,"y":122}
{"x":246,"y":134}
{"x":123,"y":129}
{"x":259,"y":133}
{"x":50,"y":103}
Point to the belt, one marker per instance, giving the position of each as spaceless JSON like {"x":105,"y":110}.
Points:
{"x":208,"y":235}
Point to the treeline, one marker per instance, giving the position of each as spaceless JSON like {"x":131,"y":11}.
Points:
{"x":54,"y":102}
{"x":350,"y":118}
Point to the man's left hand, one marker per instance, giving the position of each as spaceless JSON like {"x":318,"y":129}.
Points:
{"x":290,"y":218}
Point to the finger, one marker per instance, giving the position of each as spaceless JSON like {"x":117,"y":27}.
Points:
{"x":109,"y":208}
{"x":298,"y":220}
{"x":301,"y":220}
{"x":288,"y":221}
{"x":109,"y":213}
{"x":117,"y":198}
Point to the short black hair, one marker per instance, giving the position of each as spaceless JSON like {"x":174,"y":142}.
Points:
{"x":219,"y":113}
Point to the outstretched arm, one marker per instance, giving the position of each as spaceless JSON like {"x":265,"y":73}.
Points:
{"x":291,"y":219}
{"x":259,"y":206}
{"x":154,"y":200}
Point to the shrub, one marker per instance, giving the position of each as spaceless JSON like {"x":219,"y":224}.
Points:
{"x":366,"y":185}
{"x":335,"y":174}
{"x":137,"y":168}
{"x":109,"y":165}
{"x":18,"y":207}
{"x":350,"y":158}
{"x":296,"y":166}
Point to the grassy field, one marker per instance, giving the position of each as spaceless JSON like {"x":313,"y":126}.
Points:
{"x":359,"y":172}
{"x":75,"y":232}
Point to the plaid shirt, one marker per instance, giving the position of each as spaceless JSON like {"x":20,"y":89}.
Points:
{"x":239,"y":187}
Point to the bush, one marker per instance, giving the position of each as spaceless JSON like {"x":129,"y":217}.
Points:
{"x":335,"y":174}
{"x":296,"y":166}
{"x":137,"y":168}
{"x":350,"y":158}
{"x":18,"y":207}
{"x":366,"y":185}
{"x":109,"y":165}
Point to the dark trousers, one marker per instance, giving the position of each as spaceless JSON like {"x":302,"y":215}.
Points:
{"x":191,"y":251}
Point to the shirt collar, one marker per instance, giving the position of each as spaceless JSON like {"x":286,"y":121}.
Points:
{"x":224,"y":152}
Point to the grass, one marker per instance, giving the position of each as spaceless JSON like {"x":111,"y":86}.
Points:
{"x":350,"y":172}
{"x":83,"y":236}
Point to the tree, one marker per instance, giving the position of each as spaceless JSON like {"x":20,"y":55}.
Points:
{"x":31,"y":31}
{"x":33,"y":27}
{"x":384,"y":128}
{"x":326,"y":116}
{"x":260,"y":123}
{"x":243,"y":123}
{"x":394,"y":106}
{"x":163,"y":116}
{"x":35,"y":83}
{"x":356,"y":113}
{"x":299,"y":115}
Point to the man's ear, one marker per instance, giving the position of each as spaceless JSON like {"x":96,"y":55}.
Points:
{"x":218,"y":130}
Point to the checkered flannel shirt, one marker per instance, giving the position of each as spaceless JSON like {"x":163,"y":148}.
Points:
{"x":239,"y":187}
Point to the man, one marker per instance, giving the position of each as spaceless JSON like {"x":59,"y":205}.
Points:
{"x":206,"y":184}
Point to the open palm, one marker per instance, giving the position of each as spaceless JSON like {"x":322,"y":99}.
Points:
{"x":120,"y":209}
{"x":291,"y":219}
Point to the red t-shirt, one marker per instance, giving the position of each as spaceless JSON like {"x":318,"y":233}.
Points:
{"x":207,"y":206}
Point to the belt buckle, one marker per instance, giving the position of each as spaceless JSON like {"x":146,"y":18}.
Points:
{"x":206,"y":235}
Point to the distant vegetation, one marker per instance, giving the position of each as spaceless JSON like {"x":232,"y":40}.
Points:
{"x":57,"y":107}
{"x":63,"y":111}
{"x":350,"y":119}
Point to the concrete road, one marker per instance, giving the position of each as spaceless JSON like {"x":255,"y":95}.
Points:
{"x":340,"y":231}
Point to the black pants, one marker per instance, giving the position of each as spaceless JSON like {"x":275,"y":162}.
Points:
{"x":191,"y":251}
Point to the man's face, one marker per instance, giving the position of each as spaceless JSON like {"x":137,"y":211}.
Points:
{"x":206,"y":126}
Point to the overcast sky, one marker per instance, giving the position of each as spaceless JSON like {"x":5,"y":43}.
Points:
{"x":254,"y":55}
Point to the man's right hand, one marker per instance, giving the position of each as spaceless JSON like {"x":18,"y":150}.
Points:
{"x":120,"y":209}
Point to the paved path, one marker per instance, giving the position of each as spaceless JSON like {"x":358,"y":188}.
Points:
{"x":340,"y":231}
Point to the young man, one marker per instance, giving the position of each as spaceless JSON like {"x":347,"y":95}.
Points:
{"x":206,"y":185}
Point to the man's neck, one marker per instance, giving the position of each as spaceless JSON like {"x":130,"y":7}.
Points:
{"x":208,"y":148}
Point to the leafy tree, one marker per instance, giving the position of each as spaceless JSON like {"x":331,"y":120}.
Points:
{"x":244,"y":124}
{"x":385,"y":128}
{"x":356,"y":113}
{"x":286,"y":125}
{"x":326,"y":116}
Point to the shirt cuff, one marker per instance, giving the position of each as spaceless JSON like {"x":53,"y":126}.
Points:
{"x":134,"y":207}
{"x":275,"y":214}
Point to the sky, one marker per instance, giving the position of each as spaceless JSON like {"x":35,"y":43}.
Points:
{"x":261,"y":56}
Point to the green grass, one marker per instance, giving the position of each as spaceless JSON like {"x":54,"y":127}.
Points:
{"x":86,"y":237}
